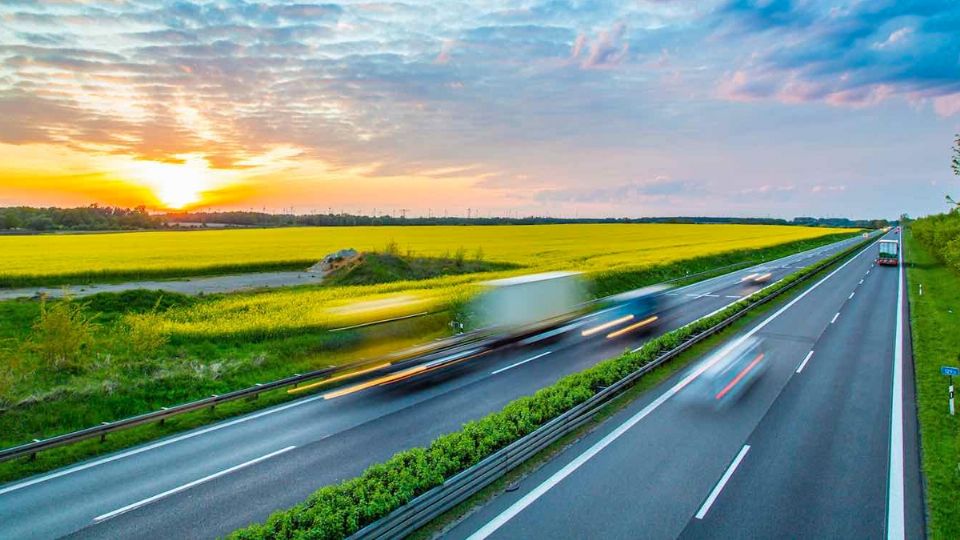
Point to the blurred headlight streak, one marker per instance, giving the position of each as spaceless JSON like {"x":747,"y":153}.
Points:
{"x":632,"y":327}
{"x":606,"y":325}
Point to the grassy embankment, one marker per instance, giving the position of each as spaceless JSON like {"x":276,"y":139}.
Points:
{"x":219,"y":343}
{"x":935,"y":326}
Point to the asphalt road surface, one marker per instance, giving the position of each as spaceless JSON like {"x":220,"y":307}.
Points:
{"x":822,"y":445}
{"x":207,"y":482}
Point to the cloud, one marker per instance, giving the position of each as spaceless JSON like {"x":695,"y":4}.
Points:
{"x":856,"y":54}
{"x":639,"y":190}
{"x":607,"y":49}
{"x":550,"y":102}
{"x":827,"y":189}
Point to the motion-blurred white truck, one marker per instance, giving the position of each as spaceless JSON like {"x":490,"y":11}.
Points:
{"x":526,"y":303}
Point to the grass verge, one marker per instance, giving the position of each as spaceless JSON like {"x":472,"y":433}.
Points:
{"x":935,"y":328}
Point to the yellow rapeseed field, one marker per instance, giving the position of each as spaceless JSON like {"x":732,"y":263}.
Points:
{"x":279,"y":312}
{"x":579,"y":247}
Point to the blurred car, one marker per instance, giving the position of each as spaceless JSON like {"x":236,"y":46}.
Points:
{"x":730,"y":372}
{"x":628,"y":312}
{"x":757,"y":278}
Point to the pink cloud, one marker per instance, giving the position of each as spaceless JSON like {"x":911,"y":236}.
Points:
{"x":947,"y":105}
{"x":607,"y":50}
{"x":445,"y":49}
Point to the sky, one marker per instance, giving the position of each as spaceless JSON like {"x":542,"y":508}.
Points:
{"x":442,"y":107}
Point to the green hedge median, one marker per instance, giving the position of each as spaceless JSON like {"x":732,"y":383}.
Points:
{"x":340,"y":510}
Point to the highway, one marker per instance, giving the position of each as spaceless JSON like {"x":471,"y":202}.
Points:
{"x":209,"y":481}
{"x":822,"y":445}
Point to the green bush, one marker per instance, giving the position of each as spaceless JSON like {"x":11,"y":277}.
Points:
{"x":340,"y":510}
{"x":941,"y":234}
{"x":63,"y":335}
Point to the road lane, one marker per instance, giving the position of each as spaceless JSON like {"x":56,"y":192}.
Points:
{"x":652,"y":481}
{"x":334,"y":440}
{"x":819,"y":462}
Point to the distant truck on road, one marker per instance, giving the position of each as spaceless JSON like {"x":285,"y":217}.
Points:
{"x":888,"y":252}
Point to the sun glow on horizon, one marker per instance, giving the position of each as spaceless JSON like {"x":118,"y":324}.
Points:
{"x":176,"y":185}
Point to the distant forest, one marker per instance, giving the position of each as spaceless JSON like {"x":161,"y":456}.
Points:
{"x":105,"y":218}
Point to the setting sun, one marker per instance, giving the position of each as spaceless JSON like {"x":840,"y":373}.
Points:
{"x":175,"y":185}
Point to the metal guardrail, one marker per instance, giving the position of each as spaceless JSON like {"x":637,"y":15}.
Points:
{"x":251,"y":393}
{"x":423,"y":509}
{"x":30,"y":449}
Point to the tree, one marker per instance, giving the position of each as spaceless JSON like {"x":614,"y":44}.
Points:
{"x":955,"y":165}
{"x":956,"y":155}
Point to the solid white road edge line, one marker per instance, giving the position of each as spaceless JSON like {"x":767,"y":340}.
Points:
{"x":895,"y":502}
{"x":520,"y":363}
{"x":567,"y":470}
{"x":804,"y":363}
{"x":189,"y":485}
{"x":191,"y":434}
{"x":723,"y":481}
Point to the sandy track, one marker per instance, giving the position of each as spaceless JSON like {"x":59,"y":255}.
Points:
{"x":205,"y":285}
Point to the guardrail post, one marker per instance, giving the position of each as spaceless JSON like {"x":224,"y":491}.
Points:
{"x":163,"y":421}
{"x":103,"y":436}
{"x":297,"y":383}
{"x":213,"y":405}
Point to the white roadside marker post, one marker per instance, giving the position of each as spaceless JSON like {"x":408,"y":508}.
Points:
{"x":950,"y":389}
{"x":950,"y":371}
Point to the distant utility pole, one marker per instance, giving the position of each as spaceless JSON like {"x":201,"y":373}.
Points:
{"x":403,"y":213}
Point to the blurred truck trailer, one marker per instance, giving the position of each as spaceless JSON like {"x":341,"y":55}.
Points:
{"x":528,"y":303}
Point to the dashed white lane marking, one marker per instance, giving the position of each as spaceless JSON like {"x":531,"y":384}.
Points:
{"x":834,"y":319}
{"x":851,"y":295}
{"x":804,"y":363}
{"x":723,"y":482}
{"x":520,"y":363}
{"x":189,"y":485}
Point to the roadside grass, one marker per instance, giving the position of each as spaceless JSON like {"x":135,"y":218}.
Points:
{"x":51,"y":260}
{"x":118,"y":381}
{"x":935,"y":327}
{"x":374,"y":268}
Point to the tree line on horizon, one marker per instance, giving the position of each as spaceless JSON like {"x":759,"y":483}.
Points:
{"x":105,"y":218}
